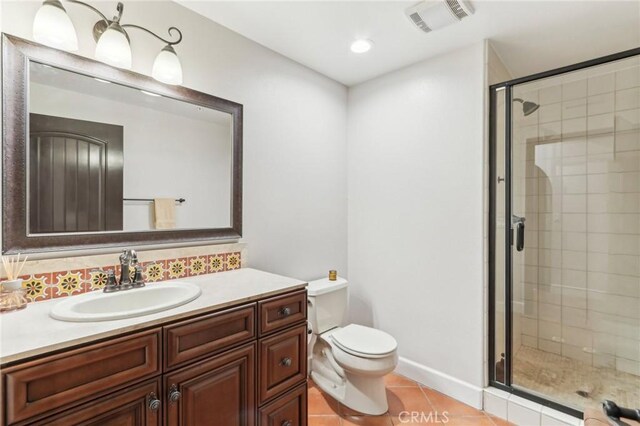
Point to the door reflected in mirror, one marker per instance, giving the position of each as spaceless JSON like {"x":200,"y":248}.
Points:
{"x":104,"y":157}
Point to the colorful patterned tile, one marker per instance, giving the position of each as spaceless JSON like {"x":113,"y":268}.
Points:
{"x":154,"y":271}
{"x":232,"y":261}
{"x":177,"y":268}
{"x":215,"y":263}
{"x":37,"y":287}
{"x":197,"y":265}
{"x":97,"y":279}
{"x":68,"y":283}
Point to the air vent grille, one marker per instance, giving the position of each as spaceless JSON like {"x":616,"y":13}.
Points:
{"x":456,"y":9}
{"x":415,"y":17}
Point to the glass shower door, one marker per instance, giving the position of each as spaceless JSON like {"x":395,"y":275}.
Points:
{"x":569,"y":253}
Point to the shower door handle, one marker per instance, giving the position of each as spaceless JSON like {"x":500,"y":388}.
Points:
{"x":519,"y":223}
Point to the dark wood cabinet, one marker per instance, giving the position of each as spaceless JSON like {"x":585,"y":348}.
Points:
{"x":283,"y":361}
{"x":40,"y":388}
{"x":128,"y":407}
{"x":288,"y":410}
{"x":211,"y":369}
{"x":219,"y":391}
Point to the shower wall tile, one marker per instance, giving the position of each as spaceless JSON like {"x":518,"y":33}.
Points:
{"x":573,"y":278}
{"x":579,"y":185}
{"x":577,"y":353}
{"x":601,"y":104}
{"x":627,"y":120}
{"x":599,"y":124}
{"x":629,"y":141}
{"x":550,"y":95}
{"x":578,"y":337}
{"x":549,"y":294}
{"x":627,"y":99}
{"x":574,"y":127}
{"x":550,"y":346}
{"x":601,"y":84}
{"x":575,"y":317}
{"x":574,"y":90}
{"x":574,"y":297}
{"x":576,"y":241}
{"x":623,"y":285}
{"x":627,"y":78}
{"x":550,"y":112}
{"x":549,"y":312}
{"x":576,"y":260}
{"x":551,"y":331}
{"x":530,"y":341}
{"x":574,"y":109}
{"x":604,"y":360}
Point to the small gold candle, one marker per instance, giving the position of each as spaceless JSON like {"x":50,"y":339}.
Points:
{"x":333,"y":275}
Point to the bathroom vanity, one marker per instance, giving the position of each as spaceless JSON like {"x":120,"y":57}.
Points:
{"x":234,"y":356}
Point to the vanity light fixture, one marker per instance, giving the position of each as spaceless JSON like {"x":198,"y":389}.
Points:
{"x":53,"y":27}
{"x":361,"y":46}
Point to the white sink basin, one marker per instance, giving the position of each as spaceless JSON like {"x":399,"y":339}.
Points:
{"x":100,"y":306}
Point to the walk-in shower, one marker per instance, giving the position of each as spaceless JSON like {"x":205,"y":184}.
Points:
{"x":565,"y":234}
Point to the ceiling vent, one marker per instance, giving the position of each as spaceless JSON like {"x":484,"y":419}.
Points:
{"x":432,"y":15}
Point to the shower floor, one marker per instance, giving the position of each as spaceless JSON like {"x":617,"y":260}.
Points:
{"x":559,"y":378}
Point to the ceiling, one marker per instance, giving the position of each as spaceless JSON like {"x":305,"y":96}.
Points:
{"x":530,"y":36}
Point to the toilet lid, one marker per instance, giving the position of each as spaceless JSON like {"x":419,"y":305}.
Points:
{"x":363,"y":340}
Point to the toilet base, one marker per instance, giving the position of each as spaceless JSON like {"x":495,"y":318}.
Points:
{"x":364,"y":394}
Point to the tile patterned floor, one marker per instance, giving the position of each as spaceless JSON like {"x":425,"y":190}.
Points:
{"x":403,"y":395}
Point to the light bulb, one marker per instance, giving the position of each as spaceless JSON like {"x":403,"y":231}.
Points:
{"x":53,"y":27}
{"x":167,"y":67}
{"x":361,"y":46}
{"x":113,"y":47}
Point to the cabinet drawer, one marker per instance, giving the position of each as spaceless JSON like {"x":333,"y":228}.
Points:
{"x":289,"y":409}
{"x":195,"y":339}
{"x":127,"y":407}
{"x":282,"y":311}
{"x":43,"y":386}
{"x":283,"y":361}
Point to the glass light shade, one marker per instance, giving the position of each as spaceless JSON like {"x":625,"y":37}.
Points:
{"x":167,"y":67}
{"x":53,"y":27}
{"x":113,"y":47}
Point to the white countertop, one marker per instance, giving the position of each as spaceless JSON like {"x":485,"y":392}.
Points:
{"x":32,"y":331}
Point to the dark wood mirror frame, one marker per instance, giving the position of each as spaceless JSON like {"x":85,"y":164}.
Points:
{"x":16,"y":55}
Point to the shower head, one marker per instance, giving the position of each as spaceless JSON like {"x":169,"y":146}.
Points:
{"x":527,"y":107}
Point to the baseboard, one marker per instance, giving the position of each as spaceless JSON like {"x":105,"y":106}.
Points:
{"x":448,"y":385}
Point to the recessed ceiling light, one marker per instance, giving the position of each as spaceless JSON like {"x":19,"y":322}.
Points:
{"x":361,"y":46}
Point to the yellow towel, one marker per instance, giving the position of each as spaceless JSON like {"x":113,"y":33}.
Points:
{"x":165,"y":213}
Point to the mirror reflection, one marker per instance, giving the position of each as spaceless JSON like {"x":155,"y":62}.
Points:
{"x":104,"y":157}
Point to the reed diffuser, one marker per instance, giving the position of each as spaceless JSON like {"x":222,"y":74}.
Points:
{"x":12,"y":295}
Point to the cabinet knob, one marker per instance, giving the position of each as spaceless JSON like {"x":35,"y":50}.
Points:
{"x":153,"y":402}
{"x":286,"y":423}
{"x":174,"y":393}
{"x":285,"y":362}
{"x":285,"y":311}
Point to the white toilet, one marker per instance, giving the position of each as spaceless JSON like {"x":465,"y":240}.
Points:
{"x":347,"y":362}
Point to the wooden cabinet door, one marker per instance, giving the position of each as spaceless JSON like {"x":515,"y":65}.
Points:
{"x":129,"y":407}
{"x":218,"y":391}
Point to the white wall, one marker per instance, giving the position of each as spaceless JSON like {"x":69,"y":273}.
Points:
{"x":415,"y":177}
{"x":294,"y":129}
{"x":165,"y":155}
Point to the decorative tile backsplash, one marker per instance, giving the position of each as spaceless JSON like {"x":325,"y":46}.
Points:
{"x":41,"y":286}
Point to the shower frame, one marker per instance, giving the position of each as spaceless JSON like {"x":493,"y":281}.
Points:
{"x":494,"y":89}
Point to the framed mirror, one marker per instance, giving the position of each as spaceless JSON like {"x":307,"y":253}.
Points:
{"x":95,"y":156}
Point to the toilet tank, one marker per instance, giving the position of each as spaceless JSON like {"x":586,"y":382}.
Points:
{"x":327,"y":304}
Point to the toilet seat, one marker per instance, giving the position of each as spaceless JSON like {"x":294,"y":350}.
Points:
{"x":364,"y":342}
